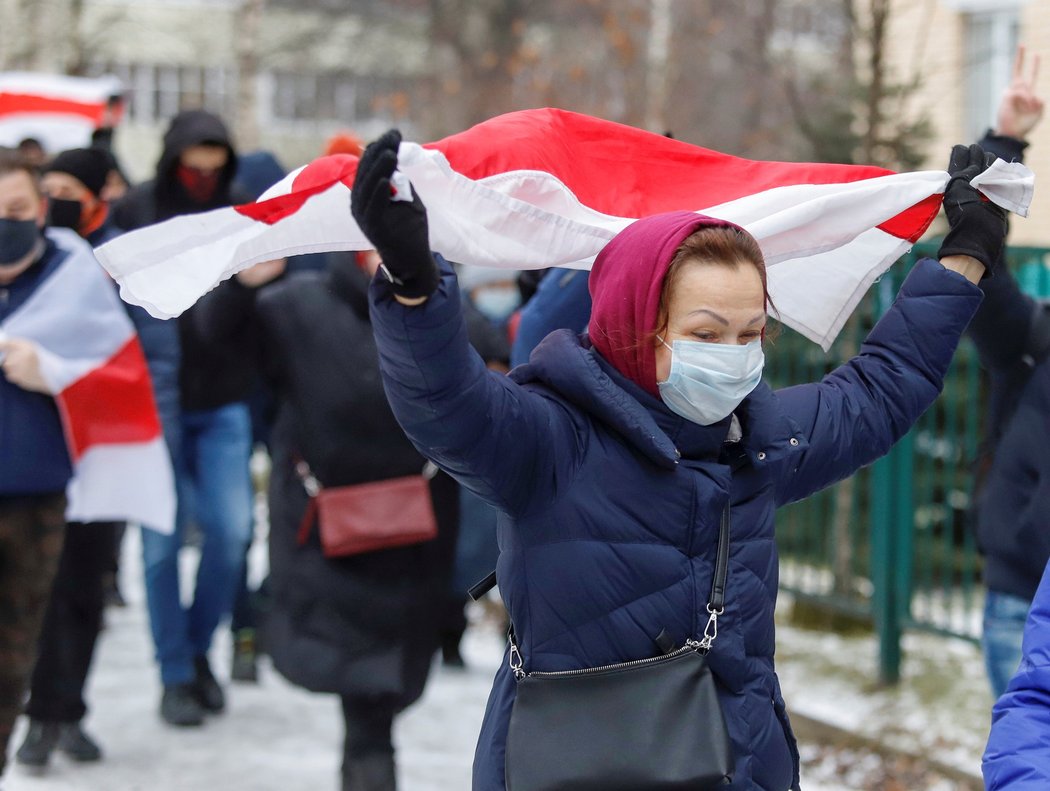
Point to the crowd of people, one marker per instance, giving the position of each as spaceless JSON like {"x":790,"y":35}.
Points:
{"x":608,"y":427}
{"x":256,"y":366}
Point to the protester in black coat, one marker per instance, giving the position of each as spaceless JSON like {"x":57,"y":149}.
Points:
{"x":1012,"y":488}
{"x":363,"y":627}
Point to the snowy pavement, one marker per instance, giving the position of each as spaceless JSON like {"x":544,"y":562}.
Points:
{"x":273,"y":736}
{"x":276,"y":737}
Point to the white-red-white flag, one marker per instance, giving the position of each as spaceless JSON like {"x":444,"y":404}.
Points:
{"x":59,"y":111}
{"x":92,"y":362}
{"x":541,"y":188}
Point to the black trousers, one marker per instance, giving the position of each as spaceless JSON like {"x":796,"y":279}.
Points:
{"x":31,"y":530}
{"x":368,"y":744}
{"x":71,"y":623}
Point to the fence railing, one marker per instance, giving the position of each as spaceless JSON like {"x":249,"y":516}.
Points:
{"x":892,"y":544}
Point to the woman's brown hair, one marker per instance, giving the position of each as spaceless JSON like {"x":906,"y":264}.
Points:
{"x":723,"y":245}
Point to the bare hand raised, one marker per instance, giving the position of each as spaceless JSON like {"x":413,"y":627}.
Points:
{"x":1020,"y":108}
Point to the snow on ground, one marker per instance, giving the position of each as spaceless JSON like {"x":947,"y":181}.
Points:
{"x":275,"y":737}
{"x":941,"y":709}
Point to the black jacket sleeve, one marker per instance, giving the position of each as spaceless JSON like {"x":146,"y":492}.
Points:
{"x":224,"y":310}
{"x":1006,"y":148}
{"x":1003,"y":326}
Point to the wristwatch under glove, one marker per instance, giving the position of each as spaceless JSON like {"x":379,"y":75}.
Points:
{"x":976,"y":226}
{"x":395,"y":225}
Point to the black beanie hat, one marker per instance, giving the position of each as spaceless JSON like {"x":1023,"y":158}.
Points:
{"x":90,"y":166}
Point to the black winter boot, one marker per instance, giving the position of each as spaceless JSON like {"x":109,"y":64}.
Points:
{"x":179,"y":706}
{"x":207,"y":690}
{"x":76,"y":744}
{"x":370,"y":773}
{"x":40,"y":741}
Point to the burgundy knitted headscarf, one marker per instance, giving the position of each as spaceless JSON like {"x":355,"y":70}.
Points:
{"x":625,"y":284}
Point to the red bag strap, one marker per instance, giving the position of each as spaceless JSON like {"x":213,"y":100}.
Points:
{"x":308,"y":522}
{"x":312,"y":487}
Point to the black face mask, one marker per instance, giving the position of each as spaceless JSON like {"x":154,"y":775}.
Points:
{"x":17,"y":238}
{"x":64,"y":213}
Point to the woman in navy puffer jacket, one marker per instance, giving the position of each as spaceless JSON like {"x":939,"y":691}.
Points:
{"x":611,"y":470}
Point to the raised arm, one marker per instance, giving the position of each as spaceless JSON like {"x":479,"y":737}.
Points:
{"x":855,"y":414}
{"x":1020,"y":110}
{"x":1008,"y":322}
{"x":510,"y":444}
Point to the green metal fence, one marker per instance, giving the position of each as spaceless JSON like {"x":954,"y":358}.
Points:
{"x":892,"y":544}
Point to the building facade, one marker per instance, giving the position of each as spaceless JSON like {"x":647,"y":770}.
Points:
{"x":961,"y":53}
{"x":284,"y":78}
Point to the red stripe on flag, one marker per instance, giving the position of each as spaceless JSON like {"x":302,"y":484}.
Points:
{"x":624,"y":171}
{"x":112,"y":404}
{"x":11,"y":103}
{"x":912,"y":223}
{"x":612,"y":168}
{"x":323,"y":172}
{"x":315,"y":178}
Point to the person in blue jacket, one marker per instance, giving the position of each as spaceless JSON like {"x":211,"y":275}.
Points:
{"x":612,"y":455}
{"x":1017,"y":757}
{"x":562,"y":299}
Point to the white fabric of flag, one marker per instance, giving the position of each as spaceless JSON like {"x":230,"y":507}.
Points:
{"x":543,"y":188}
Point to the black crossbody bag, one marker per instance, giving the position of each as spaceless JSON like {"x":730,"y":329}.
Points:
{"x":653,"y":724}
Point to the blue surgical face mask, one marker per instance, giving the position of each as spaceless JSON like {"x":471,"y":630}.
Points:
{"x":709,"y":380}
{"x":497,"y":303}
{"x":17,"y":238}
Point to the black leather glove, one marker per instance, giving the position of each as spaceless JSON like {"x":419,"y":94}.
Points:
{"x":396,"y":228}
{"x":976,"y":226}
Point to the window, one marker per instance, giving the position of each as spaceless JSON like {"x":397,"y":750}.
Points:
{"x":156,"y":93}
{"x":337,"y":97}
{"x":143,"y":97}
{"x":991,"y":42}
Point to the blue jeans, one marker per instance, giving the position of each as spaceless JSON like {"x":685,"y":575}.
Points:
{"x":1004,"y":620}
{"x":214,"y":487}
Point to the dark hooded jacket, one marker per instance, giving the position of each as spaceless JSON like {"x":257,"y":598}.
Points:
{"x":1012,"y":494}
{"x":367,"y":625}
{"x":611,"y":502}
{"x":163,"y":197}
{"x":215,"y":370}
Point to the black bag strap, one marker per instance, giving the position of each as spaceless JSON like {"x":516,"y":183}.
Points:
{"x":718,"y":583}
{"x":483,"y":586}
{"x":716,"y":605}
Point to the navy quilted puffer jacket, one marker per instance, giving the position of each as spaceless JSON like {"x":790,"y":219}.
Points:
{"x":1015,"y":757}
{"x":610,"y":502}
